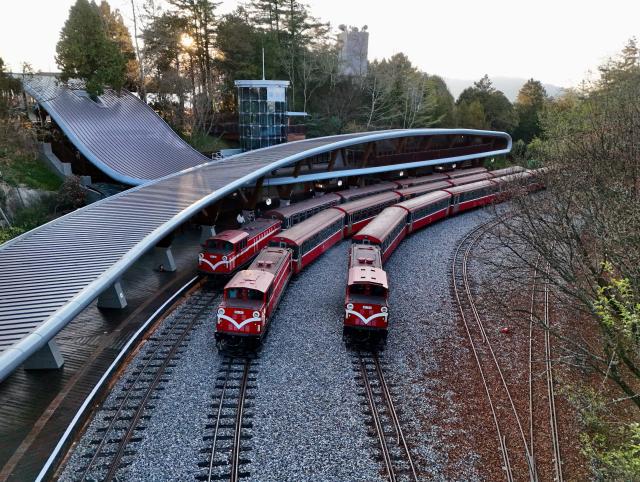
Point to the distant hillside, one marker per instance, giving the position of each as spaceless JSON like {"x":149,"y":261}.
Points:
{"x":509,"y":85}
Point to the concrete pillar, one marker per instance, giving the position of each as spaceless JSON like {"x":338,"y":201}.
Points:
{"x":46,"y":358}
{"x":206,"y":232}
{"x":113,"y":297}
{"x":164,"y":259}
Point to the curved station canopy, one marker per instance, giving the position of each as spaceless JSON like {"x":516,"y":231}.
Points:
{"x":119,"y":134}
{"x":53,"y":272}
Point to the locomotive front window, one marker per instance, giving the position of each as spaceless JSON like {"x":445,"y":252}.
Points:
{"x":367,"y":290}
{"x":217,"y":246}
{"x":244,"y":294}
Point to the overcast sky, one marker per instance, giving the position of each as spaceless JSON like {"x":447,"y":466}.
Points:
{"x":556,"y":41}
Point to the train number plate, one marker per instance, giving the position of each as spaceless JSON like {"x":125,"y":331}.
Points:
{"x":366,"y":307}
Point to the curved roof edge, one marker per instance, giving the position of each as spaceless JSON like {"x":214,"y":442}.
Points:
{"x":68,"y":131}
{"x":18,"y":353}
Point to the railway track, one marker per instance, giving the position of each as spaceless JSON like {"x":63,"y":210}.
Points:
{"x":229,"y":421}
{"x":506,"y":420}
{"x":124,"y":416}
{"x":396,"y":456}
{"x":551,"y":396}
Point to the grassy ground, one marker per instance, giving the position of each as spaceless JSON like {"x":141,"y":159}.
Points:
{"x":24,"y":170}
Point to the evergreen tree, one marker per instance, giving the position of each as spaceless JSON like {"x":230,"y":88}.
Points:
{"x":529,"y":104}
{"x":117,"y":32}
{"x":86,"y":52}
{"x":498,"y":111}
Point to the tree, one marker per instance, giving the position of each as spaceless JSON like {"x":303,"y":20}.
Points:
{"x":86,"y":52}
{"x":529,"y":104}
{"x":497,"y":109}
{"x":9,"y":86}
{"x":118,"y":33}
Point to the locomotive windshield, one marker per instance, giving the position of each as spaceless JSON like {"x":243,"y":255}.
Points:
{"x":244,"y":294}
{"x":217,"y":246}
{"x":367,"y":290}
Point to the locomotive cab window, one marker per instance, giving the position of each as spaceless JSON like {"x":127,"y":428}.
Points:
{"x":244,"y":294}
{"x":217,"y":246}
{"x":367,"y":290}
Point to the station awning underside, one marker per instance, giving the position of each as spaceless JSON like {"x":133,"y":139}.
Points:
{"x":50,"y":274}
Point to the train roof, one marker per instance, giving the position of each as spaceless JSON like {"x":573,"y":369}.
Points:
{"x":368,"y":275}
{"x":415,"y":181}
{"x":365,"y":202}
{"x":507,"y":171}
{"x":518,"y":176}
{"x":307,"y":228}
{"x":380,"y":227}
{"x":423,"y":188}
{"x":252,"y":279}
{"x":231,"y":235}
{"x":244,"y":231}
{"x":424,"y":200}
{"x":468,"y":179}
{"x":363,"y":255}
{"x":270,"y":259}
{"x":467,"y":187}
{"x":348,"y":194}
{"x":466,"y":172}
{"x":295,"y":208}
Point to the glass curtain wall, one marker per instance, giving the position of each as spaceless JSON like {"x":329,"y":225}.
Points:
{"x":263,"y":118}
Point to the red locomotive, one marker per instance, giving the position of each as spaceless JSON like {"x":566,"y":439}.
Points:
{"x":386,"y":231}
{"x":312,"y":237}
{"x":298,"y":212}
{"x":230,"y":250}
{"x":366,"y":303}
{"x":251,"y":297}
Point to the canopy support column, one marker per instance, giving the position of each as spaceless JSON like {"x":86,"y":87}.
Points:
{"x":46,"y":358}
{"x":206,"y":232}
{"x":164,"y":259}
{"x":113,"y":297}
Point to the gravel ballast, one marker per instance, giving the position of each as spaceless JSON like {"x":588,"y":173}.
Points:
{"x":309,"y":420}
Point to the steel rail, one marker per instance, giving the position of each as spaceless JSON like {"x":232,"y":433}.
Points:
{"x":218,"y":417}
{"x":553,"y":420}
{"x":237,"y":436}
{"x":484,"y":228}
{"x":122,"y":443}
{"x":386,"y":455}
{"x":394,"y":416}
{"x":457,"y":294}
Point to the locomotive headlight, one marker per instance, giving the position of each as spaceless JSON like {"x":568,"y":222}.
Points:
{"x":256,"y":314}
{"x":350,"y":306}
{"x":221,"y":311}
{"x":384,"y":309}
{"x":224,"y":258}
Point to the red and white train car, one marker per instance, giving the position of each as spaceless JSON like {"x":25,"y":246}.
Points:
{"x":349,"y":195}
{"x":366,"y":300}
{"x":415,"y":191}
{"x":459,"y":181}
{"x":426,"y":209}
{"x":469,"y":196}
{"x":251,"y":297}
{"x":472,"y":171}
{"x":230,"y":250}
{"x":418,"y":181}
{"x":298,"y":212}
{"x":309,"y":239}
{"x":386,"y":231}
{"x":357,"y":214}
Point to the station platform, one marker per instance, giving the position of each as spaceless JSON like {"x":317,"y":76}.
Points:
{"x":36,"y":407}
